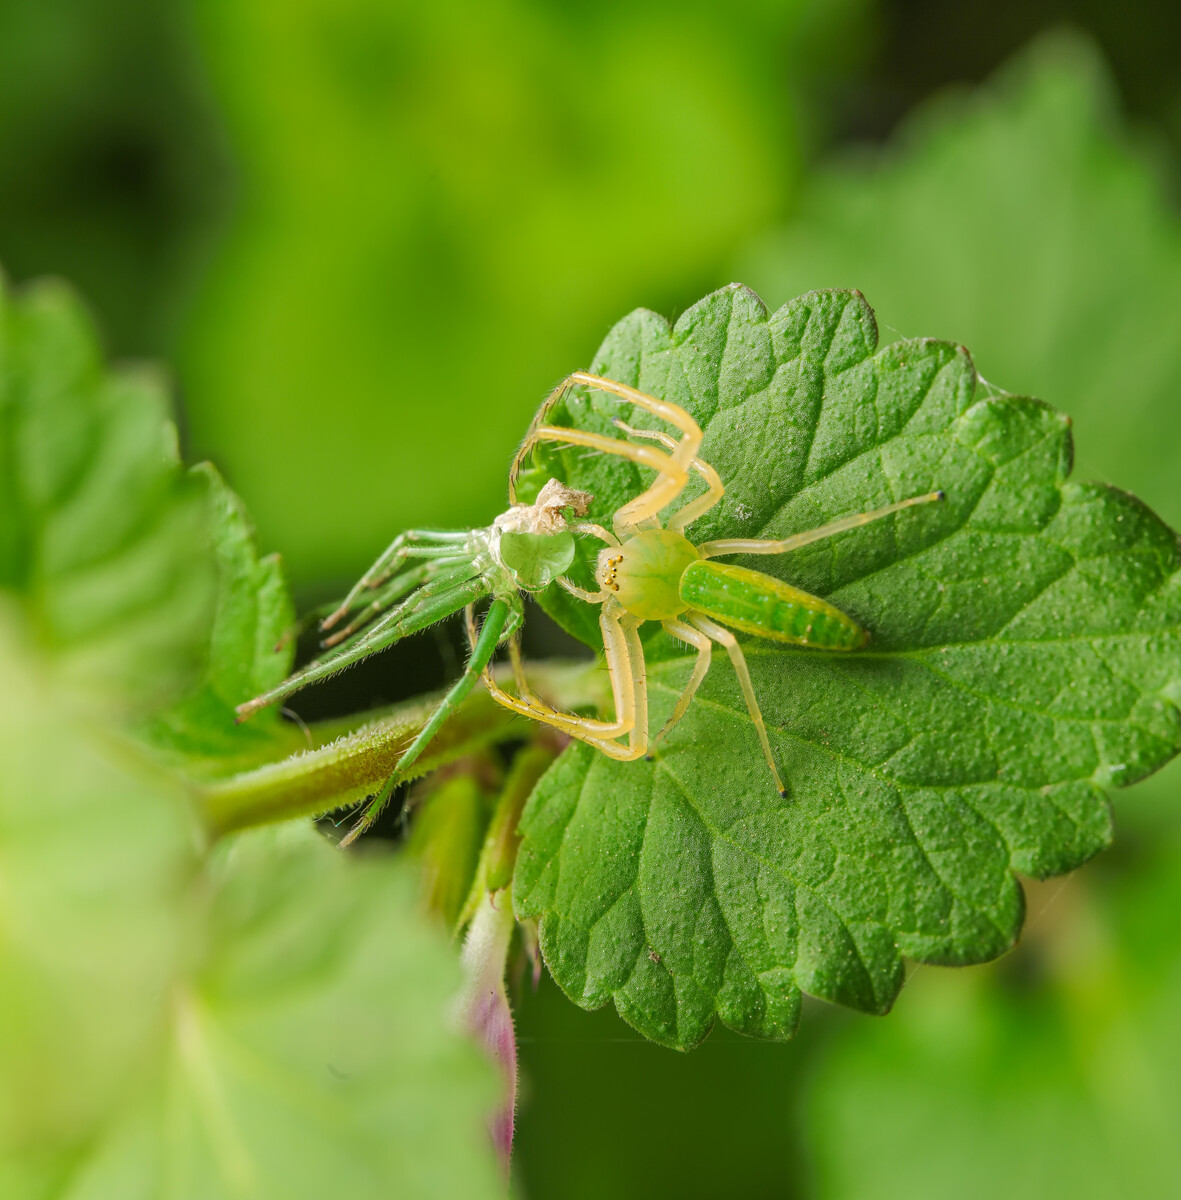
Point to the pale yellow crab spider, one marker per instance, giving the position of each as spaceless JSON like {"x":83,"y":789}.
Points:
{"x":652,"y":572}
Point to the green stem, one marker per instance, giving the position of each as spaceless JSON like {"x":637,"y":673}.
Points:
{"x":355,"y":765}
{"x":499,"y":854}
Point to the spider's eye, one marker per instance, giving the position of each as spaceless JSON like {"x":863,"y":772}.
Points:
{"x":608,"y":570}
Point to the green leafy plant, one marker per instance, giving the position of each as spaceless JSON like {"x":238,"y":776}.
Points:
{"x":1025,"y":655}
{"x":178,"y":1016}
{"x":270,"y":994}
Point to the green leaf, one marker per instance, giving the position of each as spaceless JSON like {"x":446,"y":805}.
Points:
{"x":1056,"y":1073}
{"x":1024,"y":219}
{"x":97,"y":849}
{"x":1025,"y":654}
{"x":319,"y":1024}
{"x":308,"y":1054}
{"x":102,"y":537}
{"x":250,"y":650}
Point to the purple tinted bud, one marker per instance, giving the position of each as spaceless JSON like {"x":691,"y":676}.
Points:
{"x":482,"y":1006}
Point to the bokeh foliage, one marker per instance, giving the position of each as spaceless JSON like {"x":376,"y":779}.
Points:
{"x":112,"y":170}
{"x":177,"y":1018}
{"x":441,"y":209}
{"x":1025,"y":220}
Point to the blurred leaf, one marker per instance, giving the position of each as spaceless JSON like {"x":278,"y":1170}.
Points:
{"x":1026,"y":652}
{"x":1053,"y":1075}
{"x":250,"y":648}
{"x":1021,"y":219}
{"x":308,"y":1055}
{"x":441,"y":207}
{"x":101,"y":535}
{"x":275,"y":1024}
{"x":110,"y":171}
{"x":446,"y":836}
{"x":318,"y":1025}
{"x":96,"y":852}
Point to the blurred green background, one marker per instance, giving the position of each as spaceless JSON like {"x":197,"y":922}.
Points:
{"x":368,"y":236}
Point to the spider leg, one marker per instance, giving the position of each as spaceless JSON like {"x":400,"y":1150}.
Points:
{"x":714,"y":488}
{"x":725,"y":638}
{"x":385,"y":633}
{"x":478,"y":660}
{"x":401,"y":585}
{"x":604,"y":535}
{"x":638,"y":743}
{"x":523,"y":688}
{"x":514,"y":649}
{"x":625,"y":666}
{"x":590,"y":597}
{"x":782,"y":545}
{"x":413,"y":543}
{"x":398,"y":614}
{"x":670,"y":479}
{"x":674,"y":414}
{"x":672,"y":469}
{"x":697,"y":639}
{"x":647,"y":505}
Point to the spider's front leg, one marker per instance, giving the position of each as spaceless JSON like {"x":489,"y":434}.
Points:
{"x":672,"y":469}
{"x":714,"y":488}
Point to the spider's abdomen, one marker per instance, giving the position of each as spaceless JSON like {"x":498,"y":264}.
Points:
{"x":752,"y":602}
{"x":644,"y":572}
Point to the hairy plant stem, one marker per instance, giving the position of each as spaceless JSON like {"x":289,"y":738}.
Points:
{"x":349,"y":762}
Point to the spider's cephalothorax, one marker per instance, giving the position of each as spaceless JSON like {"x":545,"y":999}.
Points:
{"x":643,"y":572}
{"x":649,"y":571}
